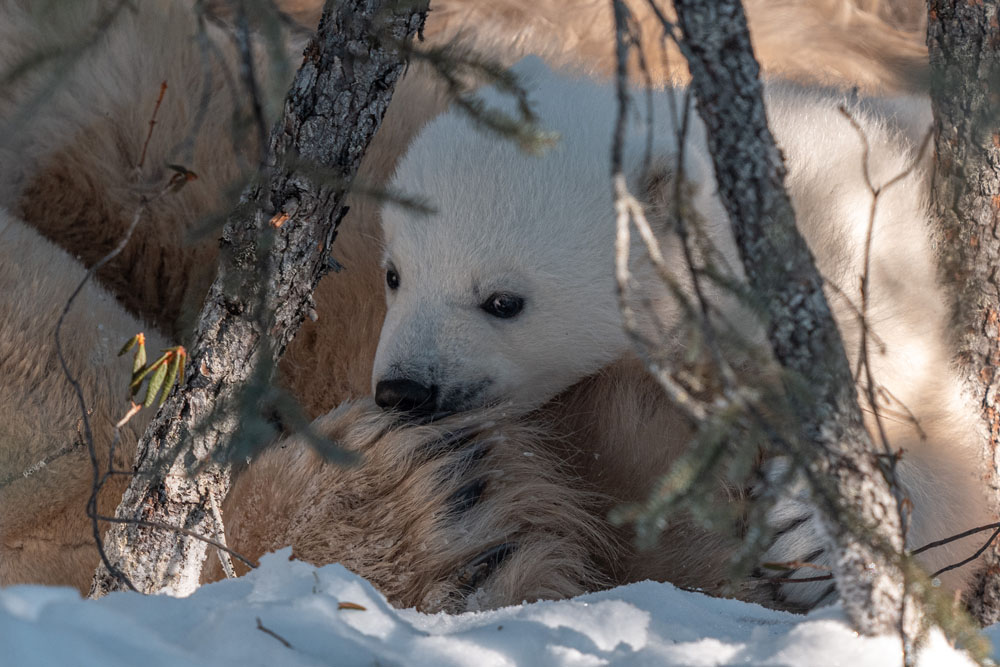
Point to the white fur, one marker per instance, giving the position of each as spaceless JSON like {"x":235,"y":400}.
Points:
{"x":544,"y":227}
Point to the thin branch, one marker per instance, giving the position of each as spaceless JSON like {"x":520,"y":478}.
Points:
{"x":78,"y":390}
{"x":44,"y":462}
{"x":971,"y":558}
{"x":152,"y":124}
{"x":220,"y":531}
{"x":268,"y":631}
{"x":864,"y":363}
{"x":249,"y":76}
{"x":949,"y":540}
{"x":98,"y":480}
{"x":180,"y":531}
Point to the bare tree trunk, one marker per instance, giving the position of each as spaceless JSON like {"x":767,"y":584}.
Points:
{"x":750,"y":174}
{"x":964,"y":43}
{"x":275,"y":248}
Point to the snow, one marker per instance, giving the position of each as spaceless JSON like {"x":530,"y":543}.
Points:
{"x":641,"y":624}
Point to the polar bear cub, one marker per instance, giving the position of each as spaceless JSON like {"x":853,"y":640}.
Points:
{"x":506,"y":293}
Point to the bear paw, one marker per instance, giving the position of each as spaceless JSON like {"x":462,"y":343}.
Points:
{"x":464,"y":513}
{"x":799,"y":545}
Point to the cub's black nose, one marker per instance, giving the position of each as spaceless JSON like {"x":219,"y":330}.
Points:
{"x":405,"y":395}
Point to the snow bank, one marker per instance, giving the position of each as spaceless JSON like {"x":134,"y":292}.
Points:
{"x":308,"y":618}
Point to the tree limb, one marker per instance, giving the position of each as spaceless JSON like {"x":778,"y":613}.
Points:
{"x":803,"y":335}
{"x":964,"y":45}
{"x":264,"y":286}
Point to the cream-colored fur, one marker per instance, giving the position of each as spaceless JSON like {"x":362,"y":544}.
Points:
{"x":872,"y":44}
{"x":45,"y":535}
{"x":428,"y":515}
{"x":541,"y":229}
{"x":543,"y":483}
{"x":67,"y":168}
{"x":427,"y":508}
{"x":832,"y":42}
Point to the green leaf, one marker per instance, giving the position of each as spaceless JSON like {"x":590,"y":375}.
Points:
{"x":138,"y":376}
{"x":129,"y":345}
{"x":140,"y":358}
{"x":155,"y":383}
{"x":168,"y":382}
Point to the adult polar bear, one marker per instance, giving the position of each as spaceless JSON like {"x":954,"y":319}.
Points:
{"x":435,"y":544}
{"x":69,"y":173}
{"x":69,"y":169}
{"x":507,"y":292}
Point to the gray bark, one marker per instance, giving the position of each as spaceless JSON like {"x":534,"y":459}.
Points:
{"x":964,"y":43}
{"x":264,"y":286}
{"x":804,"y":337}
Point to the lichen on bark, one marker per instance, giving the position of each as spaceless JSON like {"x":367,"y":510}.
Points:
{"x":264,"y":287}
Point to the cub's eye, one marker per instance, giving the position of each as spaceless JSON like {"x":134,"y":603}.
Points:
{"x":392,"y":279}
{"x":503,"y":305}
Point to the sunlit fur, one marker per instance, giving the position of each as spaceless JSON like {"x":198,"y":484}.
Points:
{"x":398,"y":516}
{"x":68,"y":150}
{"x":394,"y":517}
{"x":544,"y":228}
{"x":45,"y":535}
{"x":874,"y":44}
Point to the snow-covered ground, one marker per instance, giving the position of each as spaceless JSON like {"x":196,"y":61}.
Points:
{"x":289,"y":613}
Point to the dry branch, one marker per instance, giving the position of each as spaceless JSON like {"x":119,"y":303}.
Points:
{"x":264,"y":287}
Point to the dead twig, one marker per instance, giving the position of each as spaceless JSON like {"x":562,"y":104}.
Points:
{"x":152,"y":124}
{"x":99,"y":479}
{"x":43,"y":463}
{"x":966,"y":561}
{"x":181,"y":531}
{"x":949,"y":540}
{"x":930,"y":545}
{"x":864,"y":362}
{"x":268,"y":631}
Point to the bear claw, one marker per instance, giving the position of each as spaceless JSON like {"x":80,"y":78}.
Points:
{"x":465,"y":498}
{"x":478,"y":570}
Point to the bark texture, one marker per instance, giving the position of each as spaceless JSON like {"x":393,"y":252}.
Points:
{"x":275,"y":248}
{"x":750,"y":174}
{"x":964,"y":43}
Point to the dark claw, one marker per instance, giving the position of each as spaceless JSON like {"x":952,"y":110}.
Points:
{"x":824,"y":599}
{"x":450,"y":442}
{"x":463,"y":499}
{"x":791,"y":525}
{"x":474,"y":454}
{"x":485,"y":564}
{"x":814,"y":555}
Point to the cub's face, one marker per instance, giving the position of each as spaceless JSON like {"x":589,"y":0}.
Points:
{"x":506,"y":292}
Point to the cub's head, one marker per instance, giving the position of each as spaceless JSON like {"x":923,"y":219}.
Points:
{"x":505,"y":293}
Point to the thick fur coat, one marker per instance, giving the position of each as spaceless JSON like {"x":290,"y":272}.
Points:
{"x":541,"y":231}
{"x":45,"y":472}
{"x":469,"y":531}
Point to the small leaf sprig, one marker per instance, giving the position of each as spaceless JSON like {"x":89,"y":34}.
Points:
{"x":162,"y":373}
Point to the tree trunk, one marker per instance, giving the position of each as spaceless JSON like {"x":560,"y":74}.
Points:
{"x":275,"y":248}
{"x":964,"y":43}
{"x":750,"y":174}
